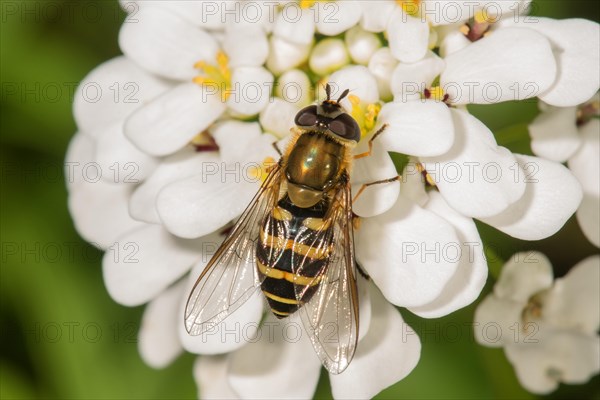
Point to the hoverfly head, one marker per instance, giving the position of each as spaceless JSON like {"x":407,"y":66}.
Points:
{"x":329,"y":116}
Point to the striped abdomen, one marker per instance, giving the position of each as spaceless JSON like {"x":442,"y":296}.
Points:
{"x":293,"y":252}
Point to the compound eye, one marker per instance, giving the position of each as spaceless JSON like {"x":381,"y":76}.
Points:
{"x":307,"y":116}
{"x":346,"y":127}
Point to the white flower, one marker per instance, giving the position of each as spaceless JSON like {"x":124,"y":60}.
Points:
{"x":572,"y":134}
{"x":328,"y":55}
{"x":294,"y":87}
{"x":212,"y":79}
{"x":478,"y":178}
{"x":549,"y":330}
{"x":196,"y":138}
{"x":574,"y":45}
{"x":270,"y":365}
{"x":361,"y":44}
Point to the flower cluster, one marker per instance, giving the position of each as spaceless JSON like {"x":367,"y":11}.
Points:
{"x":208,"y":88}
{"x":548,"y":329}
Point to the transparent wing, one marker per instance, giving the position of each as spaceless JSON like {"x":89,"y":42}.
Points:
{"x":230,"y":278}
{"x":330,"y":317}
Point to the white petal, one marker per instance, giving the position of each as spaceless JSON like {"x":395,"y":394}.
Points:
{"x":551,"y":197}
{"x":554,"y":134}
{"x":574,"y":301}
{"x":251,"y":89}
{"x":112,"y":91}
{"x":183,"y":164}
{"x":524,"y":275}
{"x":408,"y":36}
{"x":144,"y":262}
{"x":402,"y":250}
{"x":476,"y":177}
{"x":413,"y":183}
{"x":129,"y":6}
{"x":236,"y":331}
{"x":270,"y":367}
{"x":509,"y":64}
{"x":588,"y":216}
{"x":557,"y":357}
{"x":234,"y":138}
{"x":375,"y":199}
{"x":334,"y":17}
{"x":210,"y":374}
{"x":381,"y":66}
{"x":497,"y":321}
{"x":119,"y":159}
{"x":420,"y":128}
{"x":361,"y":44}
{"x":278,"y":117}
{"x":166,"y":44}
{"x":443,"y":12}
{"x":376,"y":14}
{"x":251,"y":13}
{"x":388,"y":353}
{"x":295,"y":87}
{"x":284,"y":55}
{"x":99,"y":208}
{"x":409,"y":81}
{"x":80,"y":152}
{"x":359,"y":80}
{"x":576,"y":44}
{"x":328,"y":55}
{"x":585,"y":164}
{"x":206,"y":14}
{"x":246,"y":46}
{"x":158,"y":342}
{"x":365,"y":306}
{"x":453,"y":42}
{"x":294,"y":24}
{"x":196,"y":206}
{"x":168,"y":123}
{"x":466,"y":284}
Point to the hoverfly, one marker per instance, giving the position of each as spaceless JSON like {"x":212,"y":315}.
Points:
{"x":295,"y":241}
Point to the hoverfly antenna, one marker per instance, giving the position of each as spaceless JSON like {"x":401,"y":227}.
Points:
{"x":344,"y":94}
{"x":328,"y":91}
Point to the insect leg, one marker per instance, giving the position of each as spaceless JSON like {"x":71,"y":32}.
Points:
{"x":362,"y":272}
{"x":368,"y":153}
{"x":365,"y":185}
{"x":274,"y":144}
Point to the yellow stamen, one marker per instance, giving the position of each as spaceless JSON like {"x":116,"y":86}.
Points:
{"x":356,"y":222}
{"x":428,"y":178}
{"x":218,"y":75}
{"x":365,"y":116}
{"x":482,"y":17}
{"x":307,"y":3}
{"x":201,"y":139}
{"x":436,"y":93}
{"x":533,"y":310}
{"x":261,"y":172}
{"x":588,"y":111}
{"x":480,"y":26}
{"x":411,"y":7}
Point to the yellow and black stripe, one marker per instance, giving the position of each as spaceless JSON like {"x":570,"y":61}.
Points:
{"x":292,"y":237}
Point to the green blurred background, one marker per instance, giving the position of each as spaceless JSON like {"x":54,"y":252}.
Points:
{"x":62,"y":336}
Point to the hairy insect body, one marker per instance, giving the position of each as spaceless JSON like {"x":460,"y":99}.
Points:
{"x":295,"y":236}
{"x":292,"y":240}
{"x":295,"y":241}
